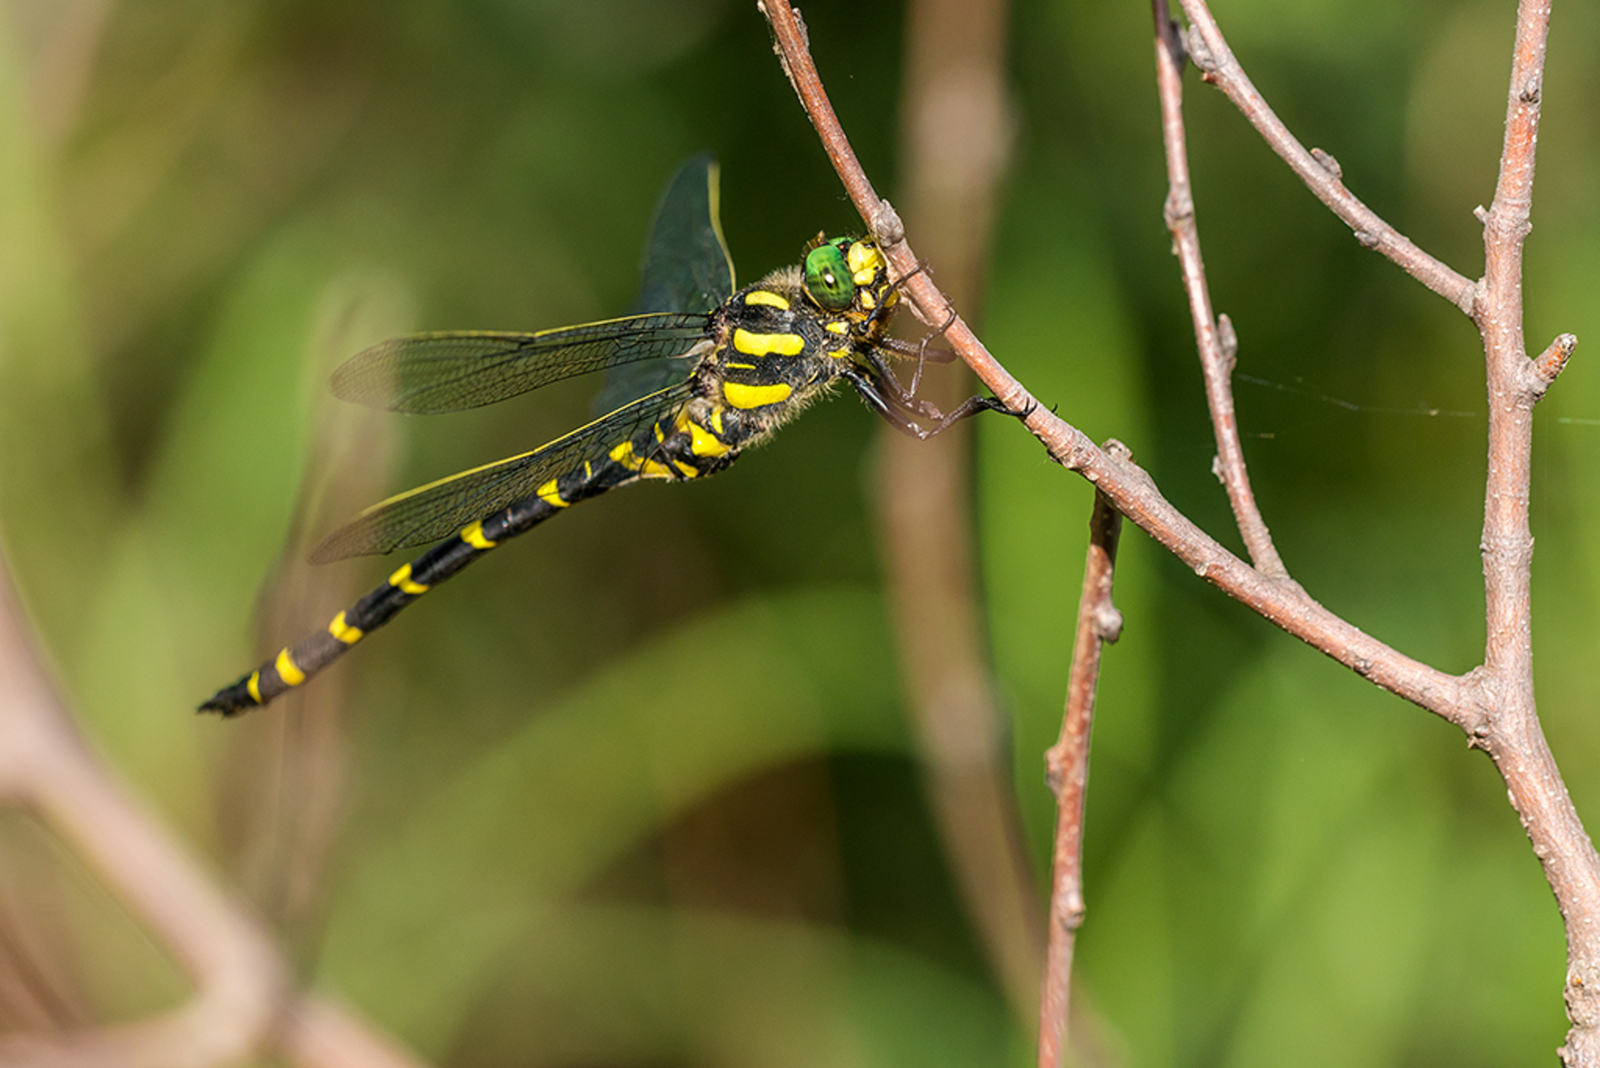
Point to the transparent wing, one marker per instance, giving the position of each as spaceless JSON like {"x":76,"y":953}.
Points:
{"x":430,"y":373}
{"x":434,"y":511}
{"x":686,"y":268}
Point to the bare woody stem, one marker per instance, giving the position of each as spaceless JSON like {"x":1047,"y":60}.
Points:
{"x":1067,"y":764}
{"x":1216,"y":340}
{"x":954,"y":87}
{"x":1512,"y":734}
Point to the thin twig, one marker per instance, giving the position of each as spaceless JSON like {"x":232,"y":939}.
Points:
{"x":1318,"y":170}
{"x":1067,"y":764}
{"x":1216,"y":343}
{"x":954,"y":90}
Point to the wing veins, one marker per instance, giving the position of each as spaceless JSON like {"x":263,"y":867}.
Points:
{"x":444,"y":372}
{"x":435,"y":510}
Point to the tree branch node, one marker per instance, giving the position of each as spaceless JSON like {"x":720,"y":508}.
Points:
{"x":1199,"y":52}
{"x":887,"y":226}
{"x":1228,"y":343}
{"x":1329,"y":164}
{"x":1177,"y":209}
{"x":1108,"y":624}
{"x":1548,"y":365}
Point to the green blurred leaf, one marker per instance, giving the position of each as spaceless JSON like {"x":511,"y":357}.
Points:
{"x":428,"y":911}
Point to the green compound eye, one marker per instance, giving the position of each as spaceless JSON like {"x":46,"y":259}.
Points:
{"x":828,"y":278}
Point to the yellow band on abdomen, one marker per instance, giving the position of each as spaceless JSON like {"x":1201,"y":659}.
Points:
{"x":475,"y":537}
{"x":288,"y":671}
{"x":402,"y":580}
{"x":344,"y":631}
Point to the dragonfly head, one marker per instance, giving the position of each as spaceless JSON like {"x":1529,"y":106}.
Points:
{"x":845,"y":276}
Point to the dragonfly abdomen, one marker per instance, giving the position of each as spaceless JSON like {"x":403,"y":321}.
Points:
{"x":676,"y":447}
{"x":292,"y":666}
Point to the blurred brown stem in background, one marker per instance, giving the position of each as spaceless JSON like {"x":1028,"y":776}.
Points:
{"x":955,"y":92}
{"x":242,"y":1003}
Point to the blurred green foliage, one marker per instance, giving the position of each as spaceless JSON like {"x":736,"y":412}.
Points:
{"x":638,"y":791}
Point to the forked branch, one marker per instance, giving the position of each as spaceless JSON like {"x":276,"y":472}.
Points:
{"x":1493,"y":704}
{"x":1124,"y":483}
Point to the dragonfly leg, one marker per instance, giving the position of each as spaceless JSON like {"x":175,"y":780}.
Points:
{"x":883,"y":399}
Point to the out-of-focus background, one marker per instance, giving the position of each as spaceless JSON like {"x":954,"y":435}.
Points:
{"x":638,"y":790}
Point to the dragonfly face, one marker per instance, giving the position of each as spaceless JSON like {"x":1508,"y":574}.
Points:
{"x":701,"y":373}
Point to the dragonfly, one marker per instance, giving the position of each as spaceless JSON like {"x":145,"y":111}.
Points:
{"x":697,"y":373}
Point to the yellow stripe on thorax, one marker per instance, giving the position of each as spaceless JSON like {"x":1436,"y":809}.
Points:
{"x":703,"y":442}
{"x":402,"y":579}
{"x":743,"y":396}
{"x":763,"y":296}
{"x":767,"y":344}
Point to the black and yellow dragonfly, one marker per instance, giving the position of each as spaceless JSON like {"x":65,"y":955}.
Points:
{"x":699,"y":373}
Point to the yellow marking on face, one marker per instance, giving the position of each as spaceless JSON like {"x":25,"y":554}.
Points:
{"x":288,"y":671}
{"x":549,"y":494}
{"x":402,"y":579}
{"x":742,"y":396}
{"x":867,"y":299}
{"x":254,"y":686}
{"x":762,"y":296}
{"x":839,"y":326}
{"x":344,"y":631}
{"x":704,"y":443}
{"x":475,"y":537}
{"x":767,"y":344}
{"x":864,"y":261}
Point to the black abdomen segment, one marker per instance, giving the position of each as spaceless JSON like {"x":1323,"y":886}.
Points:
{"x":293,"y":666}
